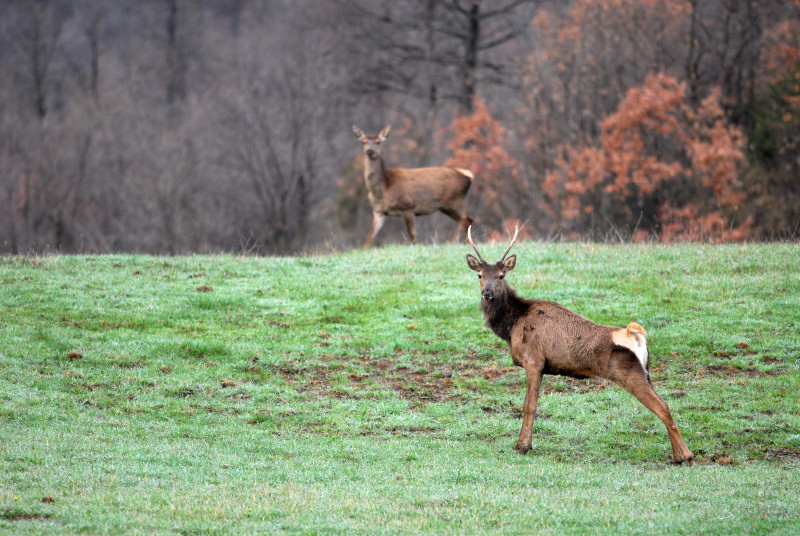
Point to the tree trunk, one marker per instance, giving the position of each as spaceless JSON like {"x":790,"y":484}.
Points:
{"x":470,"y":66}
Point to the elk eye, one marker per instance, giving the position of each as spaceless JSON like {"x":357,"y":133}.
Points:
{"x":479,"y":276}
{"x":502,"y":276}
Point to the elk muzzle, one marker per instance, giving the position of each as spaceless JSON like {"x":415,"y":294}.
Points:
{"x":487,"y":292}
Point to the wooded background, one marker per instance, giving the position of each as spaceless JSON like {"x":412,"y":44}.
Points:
{"x":177,"y":126}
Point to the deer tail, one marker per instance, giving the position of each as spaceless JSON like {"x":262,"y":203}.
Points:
{"x":632,"y":338}
{"x":467,"y":173}
{"x":636,"y":331}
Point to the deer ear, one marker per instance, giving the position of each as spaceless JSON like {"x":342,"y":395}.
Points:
{"x":359,"y":133}
{"x":385,"y":132}
{"x":509,"y":263}
{"x":473,"y":263}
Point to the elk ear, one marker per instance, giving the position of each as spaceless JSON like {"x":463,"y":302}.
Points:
{"x":473,"y":263}
{"x":359,"y":133}
{"x":509,"y":263}
{"x":385,"y":132}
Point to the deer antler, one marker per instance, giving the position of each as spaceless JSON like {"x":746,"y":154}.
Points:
{"x":469,"y":237}
{"x":516,"y":232}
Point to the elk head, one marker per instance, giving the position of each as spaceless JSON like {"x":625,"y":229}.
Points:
{"x":372,"y":144}
{"x":492,"y":276}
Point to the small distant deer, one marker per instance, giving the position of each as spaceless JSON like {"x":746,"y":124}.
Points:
{"x":547,"y":338}
{"x":411,"y":192}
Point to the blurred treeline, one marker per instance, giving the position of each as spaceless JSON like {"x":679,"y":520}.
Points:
{"x":176,"y":126}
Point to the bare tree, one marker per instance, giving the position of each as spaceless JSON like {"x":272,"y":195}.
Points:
{"x":278,"y":125}
{"x":175,"y":125}
{"x":35,"y":29}
{"x":479,"y":27}
{"x":433,"y":53}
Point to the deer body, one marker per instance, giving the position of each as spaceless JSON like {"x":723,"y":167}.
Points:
{"x":571,"y":342}
{"x":547,"y":338}
{"x":411,"y":192}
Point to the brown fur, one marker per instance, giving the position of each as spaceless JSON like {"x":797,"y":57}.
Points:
{"x":411,"y":192}
{"x":547,"y":338}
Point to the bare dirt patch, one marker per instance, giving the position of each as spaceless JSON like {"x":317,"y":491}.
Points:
{"x":724,"y":369}
{"x":401,"y":431}
{"x":416,"y":386}
{"x":17,"y":515}
{"x":722,"y":458}
{"x":783,"y":454}
{"x":489,"y":372}
{"x":184,"y":392}
{"x":418,"y":383}
{"x":421,"y":383}
{"x":558,"y":384}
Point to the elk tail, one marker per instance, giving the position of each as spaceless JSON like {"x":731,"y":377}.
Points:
{"x":467,"y":173}
{"x":633,"y":338}
{"x":636,"y":331}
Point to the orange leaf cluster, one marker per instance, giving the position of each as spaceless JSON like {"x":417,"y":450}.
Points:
{"x":507,"y":230}
{"x":689,"y":224}
{"x":716,"y":151}
{"x":646,"y":113}
{"x":657,"y":151}
{"x":781,"y":51}
{"x":479,"y":144}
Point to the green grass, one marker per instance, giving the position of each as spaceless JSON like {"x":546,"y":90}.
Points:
{"x":361,"y":393}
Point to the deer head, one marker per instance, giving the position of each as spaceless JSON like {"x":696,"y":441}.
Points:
{"x":492,"y":276}
{"x":372,"y":144}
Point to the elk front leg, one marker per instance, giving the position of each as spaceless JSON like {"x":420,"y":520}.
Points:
{"x":533,"y":374}
{"x":409,"y":217}
{"x":377,"y":223}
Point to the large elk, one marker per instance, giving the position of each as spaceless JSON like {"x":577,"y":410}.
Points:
{"x":547,"y":338}
{"x":411,"y":192}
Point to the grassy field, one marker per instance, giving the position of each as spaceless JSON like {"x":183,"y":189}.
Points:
{"x":360,"y":393}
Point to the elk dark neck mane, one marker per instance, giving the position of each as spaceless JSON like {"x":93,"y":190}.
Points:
{"x":502,"y":314}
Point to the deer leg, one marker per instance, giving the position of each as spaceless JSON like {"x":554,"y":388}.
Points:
{"x":463,"y":225}
{"x":463,"y":220}
{"x":634,"y":379}
{"x":409,"y":217}
{"x":377,"y":223}
{"x":534,"y":376}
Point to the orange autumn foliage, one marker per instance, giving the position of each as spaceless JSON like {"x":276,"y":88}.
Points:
{"x":479,"y":144}
{"x":662,"y":168}
{"x":781,"y":51}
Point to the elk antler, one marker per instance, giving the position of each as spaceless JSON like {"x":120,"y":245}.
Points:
{"x":516,"y":232}
{"x":469,"y":237}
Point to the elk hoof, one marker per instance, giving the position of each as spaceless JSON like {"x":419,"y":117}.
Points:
{"x":522,"y":448}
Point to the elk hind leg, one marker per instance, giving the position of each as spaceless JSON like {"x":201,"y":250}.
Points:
{"x":464,"y":221}
{"x":629,"y":373}
{"x":409,"y":218}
